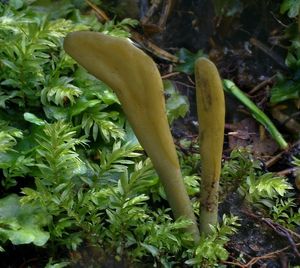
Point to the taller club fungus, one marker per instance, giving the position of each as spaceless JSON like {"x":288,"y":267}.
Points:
{"x":134,"y":77}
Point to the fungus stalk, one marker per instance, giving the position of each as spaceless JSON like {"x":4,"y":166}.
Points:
{"x":211,"y":116}
{"x":136,"y":80}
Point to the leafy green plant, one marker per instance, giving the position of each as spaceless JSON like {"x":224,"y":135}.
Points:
{"x":13,"y":163}
{"x":210,"y":249}
{"x":285,"y":212}
{"x":267,"y":191}
{"x":36,"y":88}
{"x":292,"y":7}
{"x":255,"y":185}
{"x":287,"y":87}
{"x":264,"y":187}
{"x":177,"y":105}
{"x":187,"y":60}
{"x":8,"y":137}
{"x":18,"y":227}
{"x":240,"y":164}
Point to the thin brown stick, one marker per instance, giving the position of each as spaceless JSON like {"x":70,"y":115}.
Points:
{"x":274,"y":159}
{"x":165,"y":76}
{"x":167,"y":8}
{"x":285,"y":171}
{"x":262,"y":84}
{"x":183,"y":84}
{"x":150,"y":12}
{"x":101,"y":14}
{"x":279,"y":229}
{"x":254,"y":260}
{"x":141,"y":40}
{"x":268,"y":52}
{"x":152,"y":48}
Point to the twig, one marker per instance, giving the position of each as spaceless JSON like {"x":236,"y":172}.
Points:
{"x":279,"y":229}
{"x":282,"y":231}
{"x":262,"y":84}
{"x":165,"y":76}
{"x":183,"y":84}
{"x":101,"y":14}
{"x":152,"y":48}
{"x":274,"y":159}
{"x":268,"y":52}
{"x":141,"y":40}
{"x":285,"y":171}
{"x":290,"y":118}
{"x":254,"y":260}
{"x":168,"y":5}
{"x":150,"y":12}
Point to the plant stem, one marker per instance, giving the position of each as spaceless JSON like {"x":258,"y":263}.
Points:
{"x":258,"y":114}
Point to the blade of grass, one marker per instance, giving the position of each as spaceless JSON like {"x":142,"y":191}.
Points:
{"x":258,"y":114}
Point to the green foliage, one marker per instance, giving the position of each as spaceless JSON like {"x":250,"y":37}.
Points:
{"x":56,"y":155}
{"x":240,"y":165}
{"x":210,"y":249}
{"x":288,"y":87}
{"x":66,"y":187}
{"x":22,"y":224}
{"x":176,"y":104}
{"x":95,"y":120}
{"x":120,"y":29}
{"x":60,"y":91}
{"x":292,"y":7}
{"x":13,"y":163}
{"x":37,"y":86}
{"x":162,"y":239}
{"x":187,"y":59}
{"x":265,"y":187}
{"x":8,"y":137}
{"x":25,"y":51}
{"x":266,"y":190}
{"x":35,"y":72}
{"x":286,"y":213}
{"x":51,"y":264}
{"x":296,"y":161}
{"x":285,"y":90}
{"x":113,"y":161}
{"x":257,"y":186}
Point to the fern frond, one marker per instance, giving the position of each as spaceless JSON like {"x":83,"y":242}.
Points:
{"x":119,"y":157}
{"x":101,"y":122}
{"x":268,"y":186}
{"x":60,"y":91}
{"x":285,"y":212}
{"x":8,"y":137}
{"x":57,"y":157}
{"x":296,"y":161}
